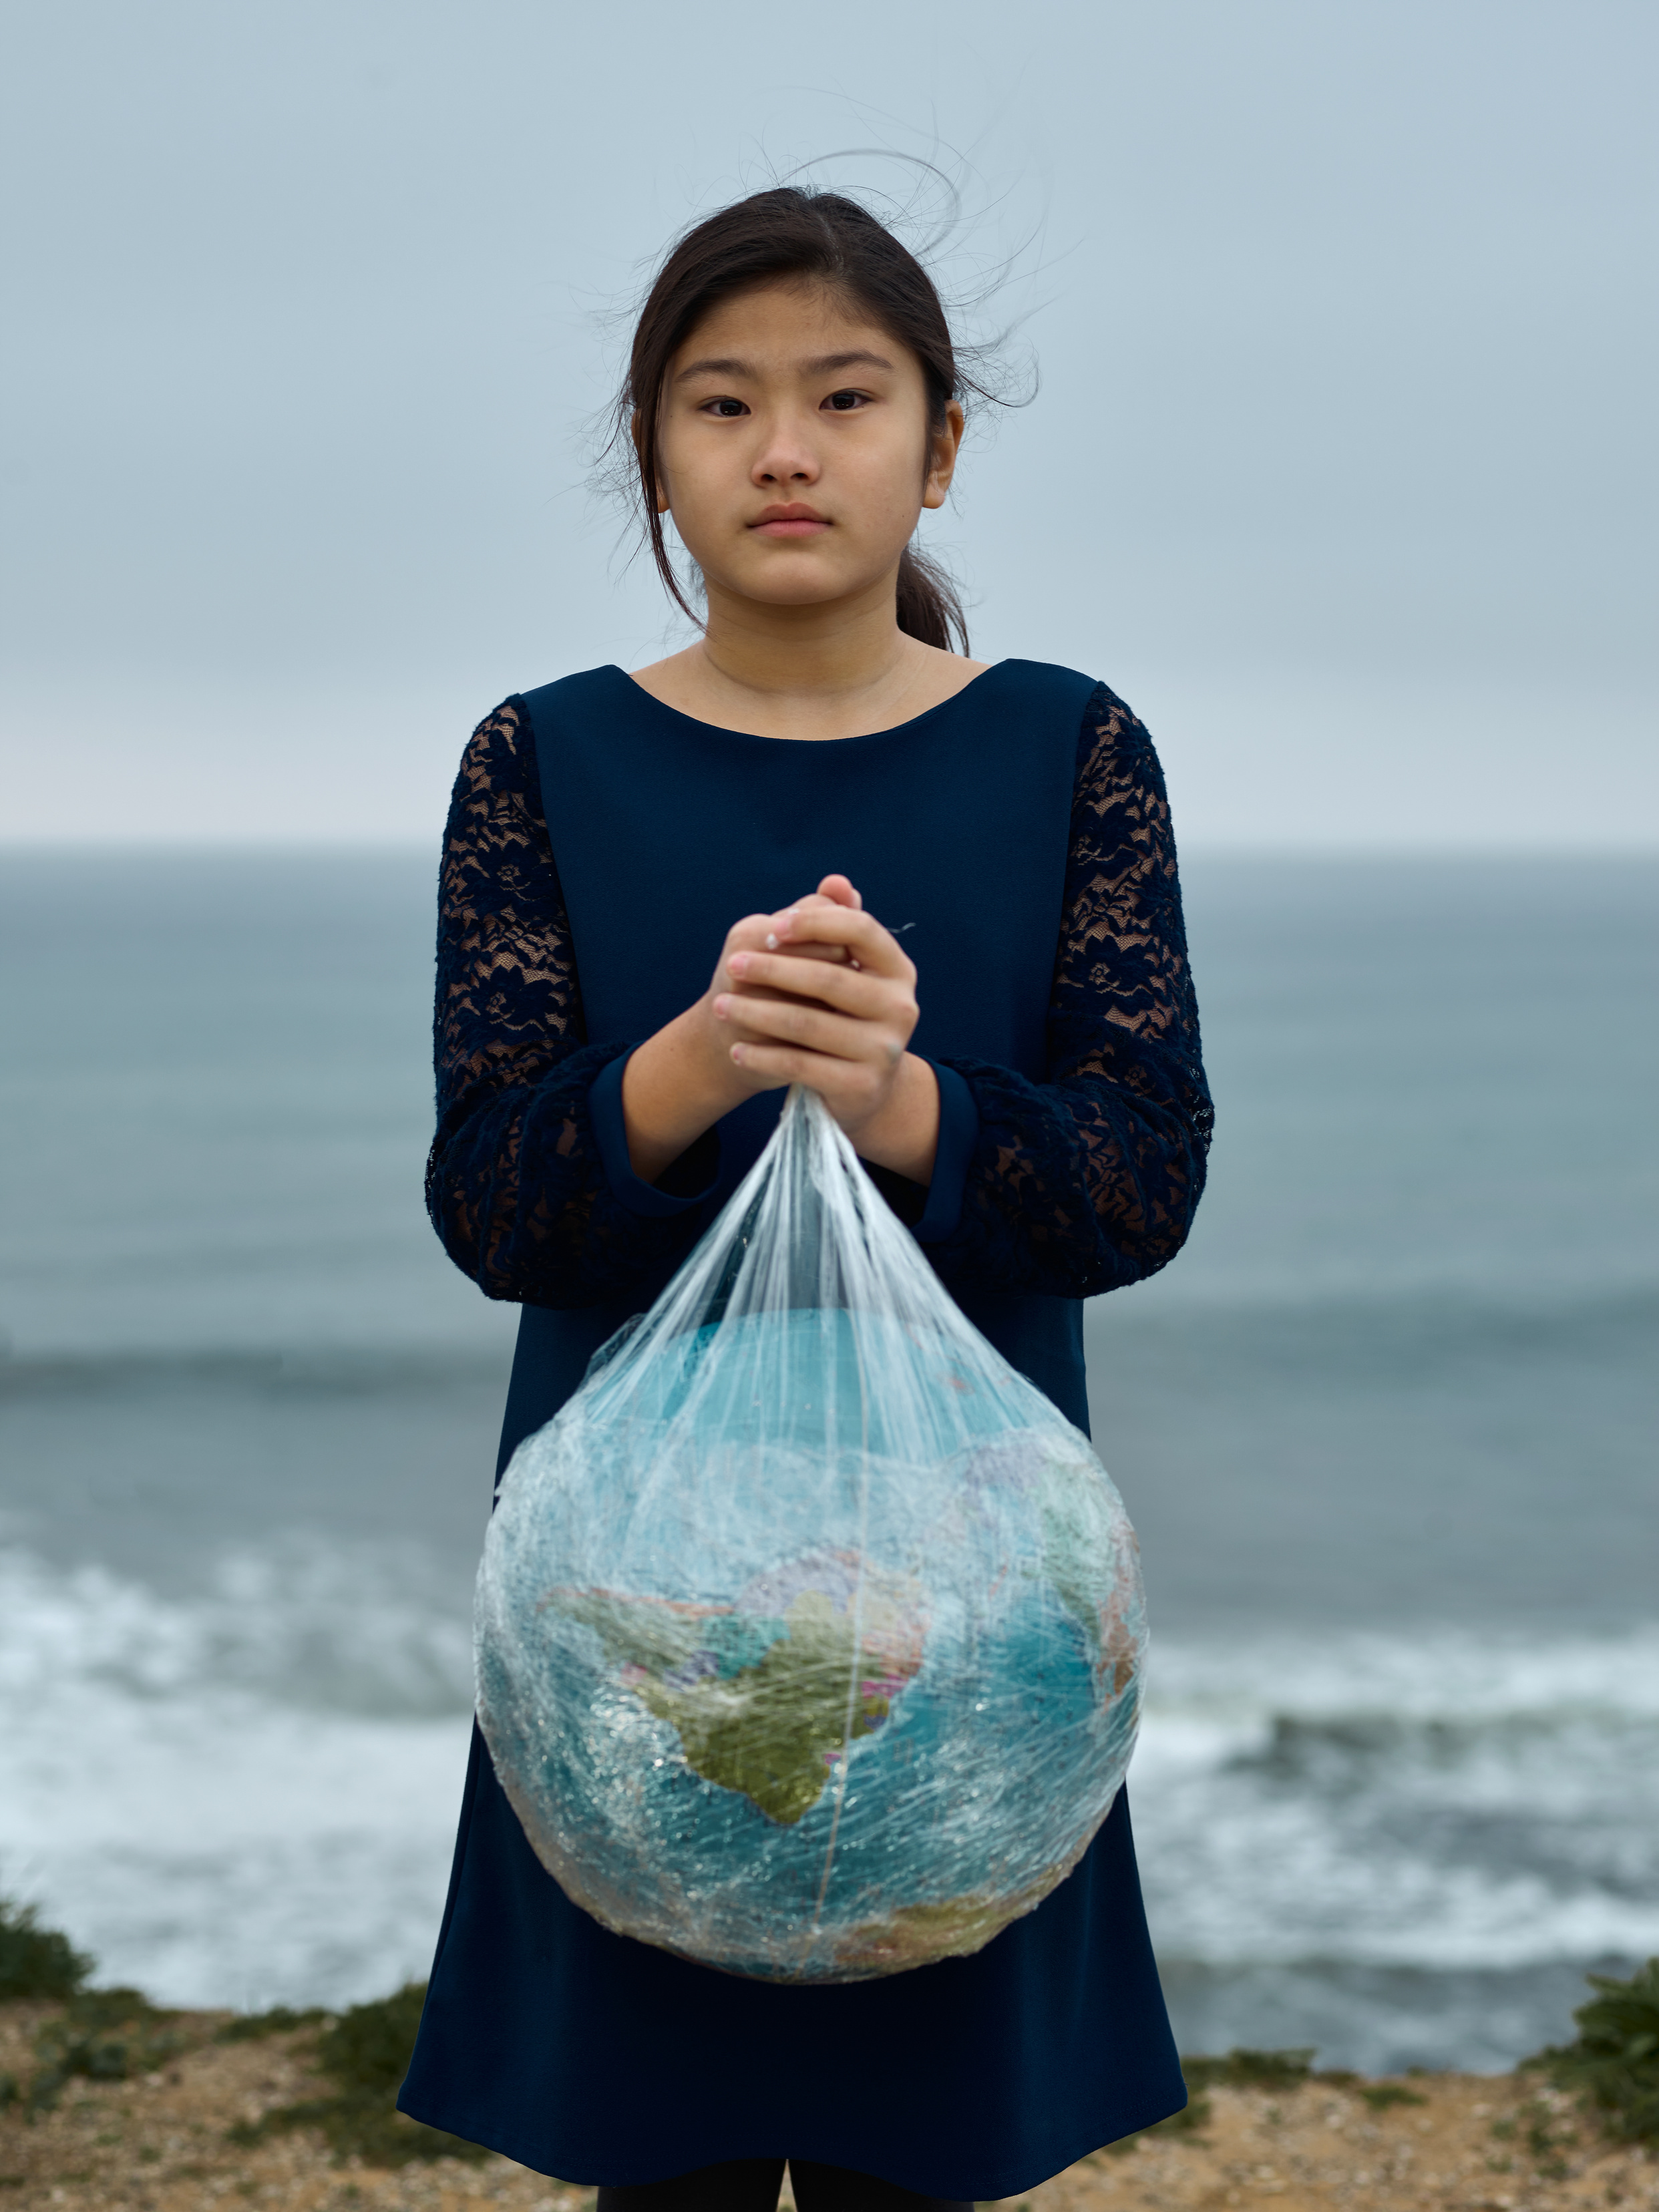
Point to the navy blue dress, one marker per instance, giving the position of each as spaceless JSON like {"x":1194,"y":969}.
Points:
{"x":600,"y":844}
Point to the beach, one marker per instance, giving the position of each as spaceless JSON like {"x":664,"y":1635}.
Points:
{"x":1465,"y":2143}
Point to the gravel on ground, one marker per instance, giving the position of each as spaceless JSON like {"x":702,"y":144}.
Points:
{"x":159,"y":2141}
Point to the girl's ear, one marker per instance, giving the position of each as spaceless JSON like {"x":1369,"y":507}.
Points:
{"x":942,"y":455}
{"x":635,"y":430}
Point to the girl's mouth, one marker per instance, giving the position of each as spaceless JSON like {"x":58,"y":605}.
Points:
{"x":789,"y":522}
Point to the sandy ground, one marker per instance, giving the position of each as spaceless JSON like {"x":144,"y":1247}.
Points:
{"x":158,"y":2144}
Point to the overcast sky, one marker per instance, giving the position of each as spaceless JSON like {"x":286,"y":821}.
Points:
{"x":1341,"y":468}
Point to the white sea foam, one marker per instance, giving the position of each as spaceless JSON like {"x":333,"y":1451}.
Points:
{"x":203,"y":1834}
{"x":1440,"y":1801}
{"x":1427,"y":1674}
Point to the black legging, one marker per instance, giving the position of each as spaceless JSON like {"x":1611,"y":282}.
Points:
{"x":751,"y":2185}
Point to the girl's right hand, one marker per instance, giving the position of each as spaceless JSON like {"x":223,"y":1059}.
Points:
{"x":681,"y":1081}
{"x":759,"y":934}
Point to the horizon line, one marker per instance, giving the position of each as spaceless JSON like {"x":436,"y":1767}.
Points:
{"x":1190,"y":847}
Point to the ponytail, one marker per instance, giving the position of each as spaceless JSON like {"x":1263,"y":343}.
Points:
{"x":928,"y":604}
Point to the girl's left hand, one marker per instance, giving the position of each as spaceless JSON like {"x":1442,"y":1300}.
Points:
{"x":841,"y":1023}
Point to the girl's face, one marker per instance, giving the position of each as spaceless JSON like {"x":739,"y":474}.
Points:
{"x":794,"y":452}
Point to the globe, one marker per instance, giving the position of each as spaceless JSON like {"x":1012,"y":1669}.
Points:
{"x":808,"y":1643}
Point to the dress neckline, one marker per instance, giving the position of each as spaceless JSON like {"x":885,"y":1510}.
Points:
{"x":812,"y":744}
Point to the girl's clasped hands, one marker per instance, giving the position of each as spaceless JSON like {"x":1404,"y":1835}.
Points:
{"x":821,"y":994}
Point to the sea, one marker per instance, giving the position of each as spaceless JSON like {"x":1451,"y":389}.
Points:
{"x":1387,"y":1428}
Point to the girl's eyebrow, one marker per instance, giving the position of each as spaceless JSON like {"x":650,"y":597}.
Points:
{"x":825,"y":365}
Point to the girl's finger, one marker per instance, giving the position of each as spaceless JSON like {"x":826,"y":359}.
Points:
{"x":834,"y":1081}
{"x":825,"y":955}
{"x":754,"y":929}
{"x":861,"y":934}
{"x":789,"y":1021}
{"x":850,"y":990}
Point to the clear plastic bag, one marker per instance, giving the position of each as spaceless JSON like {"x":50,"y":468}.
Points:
{"x":809,"y":1633}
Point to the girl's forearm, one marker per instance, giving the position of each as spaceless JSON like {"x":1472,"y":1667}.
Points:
{"x":673,"y":1090}
{"x":904,"y":1135}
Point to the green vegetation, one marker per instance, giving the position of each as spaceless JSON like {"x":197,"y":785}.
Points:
{"x":1261,"y":2069}
{"x":36,"y":1961}
{"x":1250,"y":2070}
{"x":252,"y":2026}
{"x":365,"y":2053}
{"x":1197,"y":2113}
{"x":103,"y":2035}
{"x":1546,"y":2142}
{"x":110,"y":2035}
{"x":1612,"y":2064}
{"x":1239,"y":2069}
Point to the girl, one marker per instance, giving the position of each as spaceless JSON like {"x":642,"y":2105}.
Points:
{"x":664,"y":899}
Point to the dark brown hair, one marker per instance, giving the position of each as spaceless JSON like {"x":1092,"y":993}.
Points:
{"x":814,"y":237}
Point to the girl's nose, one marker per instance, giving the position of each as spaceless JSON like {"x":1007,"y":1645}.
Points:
{"x":785,"y":457}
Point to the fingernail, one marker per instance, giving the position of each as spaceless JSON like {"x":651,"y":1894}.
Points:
{"x":739,"y":964}
{"x":721,"y":1006}
{"x":771,"y":941}
{"x":737,"y":1053}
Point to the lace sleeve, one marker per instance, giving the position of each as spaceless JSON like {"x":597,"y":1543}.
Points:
{"x":1091,"y":1180}
{"x":514,"y":1183}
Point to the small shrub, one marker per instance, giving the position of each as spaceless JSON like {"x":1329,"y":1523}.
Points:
{"x":366,"y":2053}
{"x":251,"y":2027}
{"x":1250,"y":2070}
{"x":103,"y":2035}
{"x":1197,"y":2113}
{"x":1379,"y":2095}
{"x":1245,"y":2069}
{"x":1541,"y":2137}
{"x":368,"y":2048}
{"x":1613,"y":2065}
{"x":36,"y":1961}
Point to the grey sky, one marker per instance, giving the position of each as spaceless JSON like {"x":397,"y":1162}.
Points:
{"x":1341,"y":468}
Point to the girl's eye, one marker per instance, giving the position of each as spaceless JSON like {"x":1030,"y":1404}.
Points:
{"x":845,"y":402}
{"x":727,"y":410}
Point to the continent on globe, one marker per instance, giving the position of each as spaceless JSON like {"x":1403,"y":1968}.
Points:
{"x":765,"y":1694}
{"x":1081,"y":1544}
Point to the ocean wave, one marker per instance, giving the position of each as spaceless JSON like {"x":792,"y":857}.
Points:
{"x":259,"y":1370}
{"x":1425,"y":1674}
{"x":303,"y":1622}
{"x":176,"y":1791}
{"x":1436,"y":1800}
